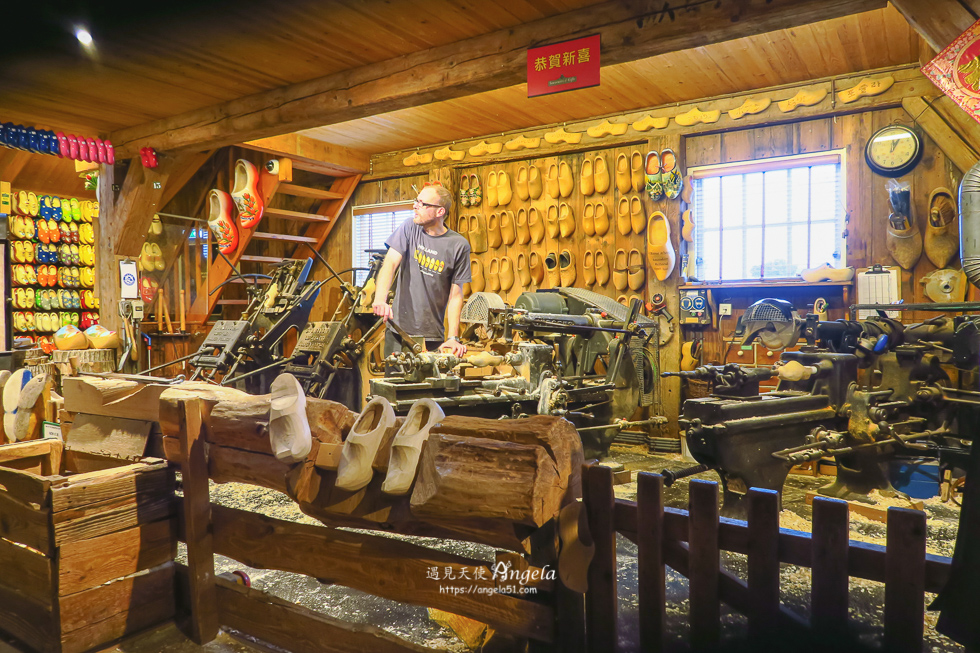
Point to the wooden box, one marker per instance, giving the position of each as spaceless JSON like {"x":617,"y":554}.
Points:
{"x":87,"y":545}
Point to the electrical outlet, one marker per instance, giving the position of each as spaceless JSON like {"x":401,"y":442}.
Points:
{"x":724,"y":309}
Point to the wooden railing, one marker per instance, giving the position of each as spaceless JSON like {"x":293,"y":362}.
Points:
{"x":690,"y":543}
{"x":390,"y":568}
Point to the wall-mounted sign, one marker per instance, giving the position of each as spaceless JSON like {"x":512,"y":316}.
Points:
{"x":956,"y":70}
{"x":564,"y":66}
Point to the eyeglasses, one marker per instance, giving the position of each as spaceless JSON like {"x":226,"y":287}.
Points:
{"x":419,"y":202}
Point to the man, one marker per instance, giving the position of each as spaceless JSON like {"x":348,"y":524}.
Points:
{"x":432,"y":263}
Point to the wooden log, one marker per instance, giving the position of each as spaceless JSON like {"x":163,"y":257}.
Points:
{"x":230,"y":465}
{"x":112,"y":397}
{"x":88,"y":563}
{"x":295,"y":628}
{"x":69,"y":363}
{"x":556,"y":435}
{"x":377,"y":565}
{"x":313,"y":489}
{"x":462,"y":476}
{"x":475,"y":519}
{"x":242,"y":421}
{"x":235,"y":425}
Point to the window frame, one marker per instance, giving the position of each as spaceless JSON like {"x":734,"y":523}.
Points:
{"x":769,"y":164}
{"x":366,"y":210}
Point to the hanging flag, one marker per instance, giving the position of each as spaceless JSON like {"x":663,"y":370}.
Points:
{"x":956,"y":70}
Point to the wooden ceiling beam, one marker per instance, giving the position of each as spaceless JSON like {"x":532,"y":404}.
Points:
{"x":908,"y":82}
{"x":314,"y":155}
{"x":954,"y":146}
{"x":939,"y":21}
{"x":629,"y":29}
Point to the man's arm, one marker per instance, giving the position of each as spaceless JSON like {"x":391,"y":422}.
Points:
{"x":454,"y":309}
{"x":383,"y":284}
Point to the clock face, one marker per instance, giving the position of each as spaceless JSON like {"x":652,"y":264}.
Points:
{"x":893,"y":151}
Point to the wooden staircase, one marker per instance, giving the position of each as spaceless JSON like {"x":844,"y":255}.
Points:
{"x":318,"y":228}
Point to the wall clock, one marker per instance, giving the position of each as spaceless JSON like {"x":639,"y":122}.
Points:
{"x":893,"y":151}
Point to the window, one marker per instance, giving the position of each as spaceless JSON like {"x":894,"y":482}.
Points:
{"x":768,"y":219}
{"x":372,"y":226}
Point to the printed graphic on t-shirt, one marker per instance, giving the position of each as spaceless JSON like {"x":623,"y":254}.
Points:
{"x":428,"y":264}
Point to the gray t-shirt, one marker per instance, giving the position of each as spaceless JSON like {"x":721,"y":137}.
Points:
{"x":429,"y":268}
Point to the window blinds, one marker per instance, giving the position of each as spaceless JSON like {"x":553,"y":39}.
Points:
{"x":370,"y":232}
{"x":759,"y":223}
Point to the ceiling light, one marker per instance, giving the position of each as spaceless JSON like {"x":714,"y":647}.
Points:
{"x":83,"y":36}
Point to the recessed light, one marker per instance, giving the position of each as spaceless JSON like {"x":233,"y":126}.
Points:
{"x":83,"y":36}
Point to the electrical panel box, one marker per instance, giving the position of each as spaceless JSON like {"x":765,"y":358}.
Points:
{"x":694,"y":307}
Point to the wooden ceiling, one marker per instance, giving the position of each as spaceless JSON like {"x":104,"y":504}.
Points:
{"x":150,"y":67}
{"x":865,"y":41}
{"x":147,"y":66}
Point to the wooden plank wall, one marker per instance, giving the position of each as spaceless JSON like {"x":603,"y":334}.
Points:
{"x":867,"y":210}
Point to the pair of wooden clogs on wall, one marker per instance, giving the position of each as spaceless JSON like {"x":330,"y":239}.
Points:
{"x":246,"y":197}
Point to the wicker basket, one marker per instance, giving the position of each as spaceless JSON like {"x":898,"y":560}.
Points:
{"x":697,"y":388}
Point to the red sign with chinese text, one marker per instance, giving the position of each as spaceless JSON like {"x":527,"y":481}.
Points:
{"x":564,"y":66}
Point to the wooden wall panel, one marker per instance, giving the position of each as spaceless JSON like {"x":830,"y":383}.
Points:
{"x":866,"y":209}
{"x":865,"y":206}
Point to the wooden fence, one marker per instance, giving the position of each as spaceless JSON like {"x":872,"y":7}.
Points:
{"x":555,"y":619}
{"x":385,"y":567}
{"x":690,"y":542}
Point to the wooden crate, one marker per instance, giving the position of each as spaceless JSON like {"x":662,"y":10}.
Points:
{"x":87,"y":545}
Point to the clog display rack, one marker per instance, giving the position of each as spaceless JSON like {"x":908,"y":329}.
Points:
{"x":52,"y":264}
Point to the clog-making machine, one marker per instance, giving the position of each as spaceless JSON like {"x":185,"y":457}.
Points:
{"x":862,"y":392}
{"x":566,"y":351}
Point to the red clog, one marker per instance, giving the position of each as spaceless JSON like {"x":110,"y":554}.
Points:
{"x":63,"y":147}
{"x":72,"y":147}
{"x":220,"y":221}
{"x":110,"y":153}
{"x":246,"y":194}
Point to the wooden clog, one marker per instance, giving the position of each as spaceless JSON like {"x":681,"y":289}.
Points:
{"x":407,"y":446}
{"x":361,"y":446}
{"x":289,"y":428}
